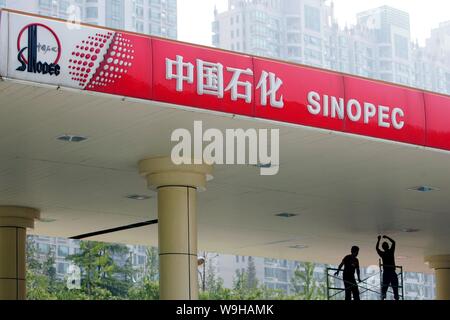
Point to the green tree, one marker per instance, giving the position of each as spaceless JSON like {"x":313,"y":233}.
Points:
{"x":217,"y":291}
{"x":147,"y":290}
{"x":241,"y":290}
{"x":252,"y":281}
{"x":49,"y":270}
{"x":102,"y":276}
{"x":304,"y":285}
{"x":211,"y":281}
{"x":32,"y":260}
{"x":148,"y":287}
{"x":38,"y":283}
{"x":152,"y":264}
{"x":38,"y":286}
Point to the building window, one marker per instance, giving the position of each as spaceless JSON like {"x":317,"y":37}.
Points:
{"x":293,"y":23}
{"x":63,"y":6}
{"x":46,"y":4}
{"x":385,"y":52}
{"x":139,"y":26}
{"x":92,"y":12}
{"x":155,"y":29}
{"x":269,"y":273}
{"x":313,"y":40}
{"x":43,"y":248}
{"x":63,"y":251}
{"x":62,"y":268}
{"x":172,"y":19}
{"x":313,"y":54}
{"x":312,"y":18}
{"x":401,"y":47}
{"x":172,"y":33}
{"x":294,"y":38}
{"x":155,"y":15}
{"x":294,"y":51}
{"x":139,"y":12}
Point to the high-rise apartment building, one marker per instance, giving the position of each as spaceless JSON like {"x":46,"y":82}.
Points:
{"x":288,"y":29}
{"x":389,"y":34}
{"x":379,"y":46}
{"x":431,"y":63}
{"x":155,"y":17}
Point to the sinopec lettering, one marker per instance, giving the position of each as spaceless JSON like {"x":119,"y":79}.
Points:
{"x":355,"y":111}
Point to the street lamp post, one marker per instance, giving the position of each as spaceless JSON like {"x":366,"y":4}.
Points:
{"x":201,"y":261}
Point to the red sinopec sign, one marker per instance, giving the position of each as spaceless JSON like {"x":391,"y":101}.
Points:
{"x":148,"y":68}
{"x":206,"y":78}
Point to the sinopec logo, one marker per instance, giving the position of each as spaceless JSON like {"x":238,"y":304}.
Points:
{"x":39,"y":50}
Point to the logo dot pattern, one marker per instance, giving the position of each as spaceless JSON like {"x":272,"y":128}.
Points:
{"x":86,"y":57}
{"x":115,"y":64}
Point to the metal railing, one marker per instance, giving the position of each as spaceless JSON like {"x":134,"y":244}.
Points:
{"x":367,"y":286}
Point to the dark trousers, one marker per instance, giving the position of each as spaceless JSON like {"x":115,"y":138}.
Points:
{"x":389,"y":279}
{"x":351,"y":287}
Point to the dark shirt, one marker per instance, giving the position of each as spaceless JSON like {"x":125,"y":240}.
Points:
{"x":351,"y":263}
{"x":388,"y":258}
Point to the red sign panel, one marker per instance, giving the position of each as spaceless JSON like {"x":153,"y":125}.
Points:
{"x":384,"y":111}
{"x":438,"y":121}
{"x":204,"y":78}
{"x":138,"y":66}
{"x":297,"y":83}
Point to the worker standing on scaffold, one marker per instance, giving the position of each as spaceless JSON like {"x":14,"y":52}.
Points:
{"x":350,"y":264}
{"x":389,"y":272}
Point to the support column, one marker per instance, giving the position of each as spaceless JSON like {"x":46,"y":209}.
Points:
{"x":14,"y":222}
{"x":177,"y":187}
{"x":441,"y":266}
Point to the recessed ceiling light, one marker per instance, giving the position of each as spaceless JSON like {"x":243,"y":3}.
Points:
{"x":423,"y":189}
{"x":71,"y":138}
{"x":299,"y":246}
{"x":410,"y":230}
{"x":138,"y":197}
{"x":46,"y":220}
{"x":286,"y":215}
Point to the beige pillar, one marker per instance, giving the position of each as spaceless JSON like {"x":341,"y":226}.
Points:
{"x":441,"y":266}
{"x":177,"y":187}
{"x":13,"y":224}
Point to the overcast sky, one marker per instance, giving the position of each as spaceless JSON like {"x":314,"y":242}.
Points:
{"x":195,"y":16}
